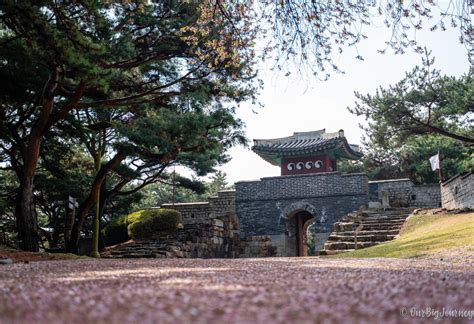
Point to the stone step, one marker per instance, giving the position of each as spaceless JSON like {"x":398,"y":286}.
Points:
{"x":385,"y":218}
{"x":377,"y":217}
{"x":382,"y":226}
{"x":361,"y":238}
{"x":378,"y":226}
{"x":332,"y":252}
{"x":130,"y":250}
{"x":364,"y":232}
{"x":383,"y":222}
{"x":381,"y":215}
{"x":391,"y":210}
{"x":404,"y":212}
{"x":348,"y":245}
{"x":122,"y":252}
{"x":385,"y":215}
{"x":366,"y":227}
{"x":373,"y":221}
{"x":134,"y":255}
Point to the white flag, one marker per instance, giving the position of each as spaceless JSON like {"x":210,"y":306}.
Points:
{"x":434,"y":161}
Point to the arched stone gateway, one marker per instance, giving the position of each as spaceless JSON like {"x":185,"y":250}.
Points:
{"x":298,"y":206}
{"x":299,"y":216}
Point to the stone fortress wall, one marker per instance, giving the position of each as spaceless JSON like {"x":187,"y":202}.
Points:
{"x":458,"y":192}
{"x":211,"y":228}
{"x":254,"y":220}
{"x":404,"y":193}
{"x":265,"y":207}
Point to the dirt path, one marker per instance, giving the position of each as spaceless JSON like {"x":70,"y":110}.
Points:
{"x":304,"y":290}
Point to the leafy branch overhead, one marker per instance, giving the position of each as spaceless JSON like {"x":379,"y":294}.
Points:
{"x":137,"y":86}
{"x":414,"y":119}
{"x":311,"y":34}
{"x":424,"y":102}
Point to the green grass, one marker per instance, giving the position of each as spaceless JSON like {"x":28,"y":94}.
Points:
{"x":422,"y":235}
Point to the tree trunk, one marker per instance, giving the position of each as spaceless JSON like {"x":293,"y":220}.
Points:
{"x":26,"y":216}
{"x":25,"y":210}
{"x":73,"y":244}
{"x":102,"y":203}
{"x":85,"y":207}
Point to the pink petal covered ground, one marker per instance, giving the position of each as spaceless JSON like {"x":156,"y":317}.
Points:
{"x":305,"y":290}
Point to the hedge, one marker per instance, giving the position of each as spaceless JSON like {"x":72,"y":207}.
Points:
{"x":141,"y":224}
{"x":151,"y":221}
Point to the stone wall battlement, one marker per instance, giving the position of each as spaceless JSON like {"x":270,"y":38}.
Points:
{"x":458,"y":192}
{"x":301,"y":186}
{"x":200,"y":212}
{"x":404,"y":193}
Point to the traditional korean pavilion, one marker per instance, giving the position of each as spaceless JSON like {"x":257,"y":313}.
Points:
{"x":307,"y":152}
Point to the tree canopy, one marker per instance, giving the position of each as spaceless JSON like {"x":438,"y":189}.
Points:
{"x":407,"y":123}
{"x":141,"y":84}
{"x":127,"y":89}
{"x":424,"y":102}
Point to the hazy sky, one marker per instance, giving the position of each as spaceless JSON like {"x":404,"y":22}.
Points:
{"x":293,"y":105}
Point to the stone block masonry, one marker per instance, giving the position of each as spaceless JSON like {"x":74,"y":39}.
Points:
{"x":428,"y":195}
{"x":302,"y":186}
{"x":266,"y":207}
{"x":257,"y":246}
{"x":201,"y":212}
{"x":218,"y":215}
{"x":404,"y":193}
{"x":205,"y":240}
{"x":458,"y":192}
{"x":273,"y":216}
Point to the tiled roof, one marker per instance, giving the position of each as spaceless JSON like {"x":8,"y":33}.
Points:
{"x":305,"y":143}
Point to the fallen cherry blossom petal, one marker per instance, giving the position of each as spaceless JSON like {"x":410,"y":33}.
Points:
{"x":303,"y":290}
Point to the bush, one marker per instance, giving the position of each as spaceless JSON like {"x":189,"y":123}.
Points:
{"x":116,"y":231}
{"x":133,"y":217}
{"x":143,"y":224}
{"x":140,"y":224}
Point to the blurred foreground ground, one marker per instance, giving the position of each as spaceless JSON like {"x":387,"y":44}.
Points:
{"x":306,"y":290}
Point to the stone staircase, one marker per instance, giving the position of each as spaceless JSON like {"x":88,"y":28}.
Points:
{"x":372,"y":226}
{"x":148,"y":249}
{"x":197,"y":240}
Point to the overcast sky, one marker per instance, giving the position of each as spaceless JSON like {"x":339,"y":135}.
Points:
{"x":291,"y":105}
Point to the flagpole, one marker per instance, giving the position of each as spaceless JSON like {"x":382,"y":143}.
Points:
{"x":440,"y":172}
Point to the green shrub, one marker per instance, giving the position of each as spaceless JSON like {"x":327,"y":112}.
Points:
{"x":140,"y":224}
{"x":143,"y":224}
{"x":133,"y":217}
{"x":116,"y":231}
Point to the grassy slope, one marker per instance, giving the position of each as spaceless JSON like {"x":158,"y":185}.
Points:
{"x":425,"y":234}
